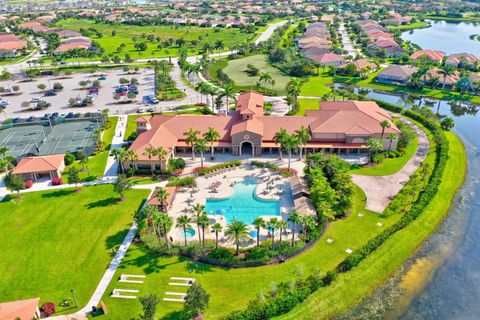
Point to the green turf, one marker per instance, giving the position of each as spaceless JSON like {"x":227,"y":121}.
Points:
{"x":411,"y":26}
{"x":317,"y":86}
{"x":235,"y":71}
{"x":378,"y":267}
{"x":125,"y":33}
{"x":58,"y":240}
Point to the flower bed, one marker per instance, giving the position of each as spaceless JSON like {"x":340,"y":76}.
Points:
{"x":229,"y":164}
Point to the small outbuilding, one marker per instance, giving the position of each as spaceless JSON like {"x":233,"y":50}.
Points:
{"x":20,"y":309}
{"x":33,"y":168}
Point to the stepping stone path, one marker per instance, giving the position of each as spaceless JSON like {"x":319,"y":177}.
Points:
{"x":127,"y":278}
{"x":349,"y":250}
{"x":178,"y":296}
{"x":329,"y":240}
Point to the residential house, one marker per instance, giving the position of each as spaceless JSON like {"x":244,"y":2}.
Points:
{"x":362,"y":66}
{"x":462,"y":60}
{"x":443,"y":80}
{"x":329,"y":59}
{"x":433,"y":55}
{"x":396,"y":74}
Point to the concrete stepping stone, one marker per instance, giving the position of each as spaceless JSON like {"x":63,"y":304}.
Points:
{"x":118,"y":293}
{"x":127,"y":278}
{"x":349,"y":251}
{"x":329,"y":240}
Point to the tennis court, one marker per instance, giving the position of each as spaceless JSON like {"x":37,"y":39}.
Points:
{"x":40,"y":139}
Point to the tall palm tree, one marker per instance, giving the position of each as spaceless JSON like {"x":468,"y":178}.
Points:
{"x":272,"y":224}
{"x":384,"y":124}
{"x":161,"y":154}
{"x":391,"y":137}
{"x":211,"y":136}
{"x":258,"y":223}
{"x":294,"y":87}
{"x":294,"y":219}
{"x":302,"y":135}
{"x":184,"y":222}
{"x":204,"y":222}
{"x":150,"y":152}
{"x":279,"y":139}
{"x":447,"y":70}
{"x":119,"y":155}
{"x":290,"y":144}
{"x":282,"y":226}
{"x":165,"y":222}
{"x":217,"y":227}
{"x":265,"y":77}
{"x":191,"y":139}
{"x":200,"y":146}
{"x":236,"y":231}
{"x":198,"y":210}
{"x":162,"y":196}
{"x":307,"y":223}
{"x":131,"y":156}
{"x":375,"y":145}
{"x":228,"y":92}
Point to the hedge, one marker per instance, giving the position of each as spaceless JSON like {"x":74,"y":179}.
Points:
{"x":234,"y":163}
{"x":293,"y":294}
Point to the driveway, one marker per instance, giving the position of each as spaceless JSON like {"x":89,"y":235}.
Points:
{"x":381,"y":190}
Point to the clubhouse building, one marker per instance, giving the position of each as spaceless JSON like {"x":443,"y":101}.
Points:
{"x":341,"y":127}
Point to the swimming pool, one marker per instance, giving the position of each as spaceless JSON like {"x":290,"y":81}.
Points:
{"x":190,"y":233}
{"x":243,"y":205}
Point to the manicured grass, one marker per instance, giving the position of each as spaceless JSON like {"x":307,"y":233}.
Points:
{"x":143,"y":180}
{"x":242,"y":284}
{"x":125,"y":33}
{"x":415,"y":25}
{"x":307,"y":104}
{"x":96,"y":163}
{"x":390,"y":166}
{"x":235,"y":71}
{"x":317,"y":86}
{"x":351,"y":287}
{"x":54,"y":241}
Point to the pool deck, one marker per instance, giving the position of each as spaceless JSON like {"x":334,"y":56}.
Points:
{"x":271,"y":186}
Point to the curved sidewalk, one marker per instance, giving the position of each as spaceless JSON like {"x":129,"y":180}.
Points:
{"x":380,"y":190}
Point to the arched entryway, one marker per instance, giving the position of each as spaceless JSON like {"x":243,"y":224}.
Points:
{"x":246,"y":148}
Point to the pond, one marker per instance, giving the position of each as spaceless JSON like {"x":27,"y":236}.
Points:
{"x":447,"y":36}
{"x":454,"y":289}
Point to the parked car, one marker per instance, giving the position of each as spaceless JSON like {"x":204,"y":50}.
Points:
{"x":135,"y":91}
{"x":121,"y":89}
{"x":102,"y":78}
{"x":54,"y":115}
{"x":69,"y":115}
{"x":3,"y":103}
{"x":34,"y":100}
{"x":93,"y":90}
{"x":153,"y":99}
{"x":30,"y":119}
{"x":140,"y":110}
{"x":16,"y":120}
{"x":151,"y":109}
{"x":50,"y":93}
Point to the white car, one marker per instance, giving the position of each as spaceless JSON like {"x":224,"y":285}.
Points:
{"x":34,"y":100}
{"x":140,"y":110}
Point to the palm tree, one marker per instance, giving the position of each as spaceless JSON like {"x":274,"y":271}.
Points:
{"x":162,"y":155}
{"x":265,"y":77}
{"x":384,"y":124}
{"x":131,"y":156}
{"x":294,"y":219}
{"x":191,"y":139}
{"x":119,"y":155}
{"x":307,"y":223}
{"x":184,"y":222}
{"x":204,"y":222}
{"x":162,"y":196}
{"x":302,"y":135}
{"x":211,"y":136}
{"x":198,"y":210}
{"x":258,"y":223}
{"x":272,"y":224}
{"x":201,"y":146}
{"x":391,"y":137}
{"x":165,"y":222}
{"x":236,"y":231}
{"x":228,"y":92}
{"x":279,"y":138}
{"x":290,"y":143}
{"x":447,"y":70}
{"x":217,"y":227}
{"x":150,"y":152}
{"x":374,"y":144}
{"x":282,"y":226}
{"x":294,"y":87}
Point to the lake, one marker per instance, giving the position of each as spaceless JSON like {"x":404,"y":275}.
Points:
{"x":447,"y":36}
{"x":454,"y":289}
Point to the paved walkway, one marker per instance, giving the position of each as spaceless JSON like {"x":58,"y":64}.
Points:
{"x":381,"y":190}
{"x":111,"y":168}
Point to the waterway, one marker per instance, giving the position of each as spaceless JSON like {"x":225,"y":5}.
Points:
{"x":442,"y":281}
{"x":447,"y":36}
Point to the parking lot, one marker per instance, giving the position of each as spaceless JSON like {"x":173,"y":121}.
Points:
{"x":72,"y":89}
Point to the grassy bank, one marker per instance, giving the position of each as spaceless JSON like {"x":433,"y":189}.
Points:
{"x":415,"y":25}
{"x":386,"y":260}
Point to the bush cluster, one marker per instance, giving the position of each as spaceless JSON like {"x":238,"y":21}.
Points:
{"x":228,"y":164}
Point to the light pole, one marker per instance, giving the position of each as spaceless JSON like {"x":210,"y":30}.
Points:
{"x":74,"y":298}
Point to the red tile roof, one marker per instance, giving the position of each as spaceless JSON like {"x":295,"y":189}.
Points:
{"x":70,"y":46}
{"x":431,"y":54}
{"x":39,"y":164}
{"x":13,"y":45}
{"x":21,"y":309}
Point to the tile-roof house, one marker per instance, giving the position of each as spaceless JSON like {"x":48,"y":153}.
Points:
{"x":20,"y":309}
{"x":32,"y":168}
{"x":444,"y":81}
{"x":329,"y":59}
{"x":396,"y":74}
{"x":433,"y":55}
{"x":462,"y":60}
{"x":338,"y":125}
{"x":361,"y":65}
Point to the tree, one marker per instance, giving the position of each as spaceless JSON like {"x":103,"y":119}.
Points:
{"x":131,"y":156}
{"x":374,"y":145}
{"x":196,"y":300}
{"x":258,"y":223}
{"x":211,"y":136}
{"x":184,"y":222}
{"x":121,"y":186}
{"x":83,"y":83}
{"x":294,"y":87}
{"x":290,"y":144}
{"x":119,"y":155}
{"x":73,"y":176}
{"x":272,"y":225}
{"x":15,"y":183}
{"x":149,"y":306}
{"x":217,"y":227}
{"x":265,"y":77}
{"x":447,"y":124}
{"x":165,"y":223}
{"x":204,"y":222}
{"x":294,"y":219}
{"x":228,"y":92}
{"x":83,"y":158}
{"x":302,"y":135}
{"x":391,"y":137}
{"x":200,"y":146}
{"x":161,"y":154}
{"x":191,"y":139}
{"x":41,"y":86}
{"x":282,"y":226}
{"x":447,"y":70}
{"x":198,"y":210}
{"x":384,"y":124}
{"x":150,"y":152}
{"x":279,"y":139}
{"x":236,"y":231}
{"x":162,"y":196}
{"x":15,"y":88}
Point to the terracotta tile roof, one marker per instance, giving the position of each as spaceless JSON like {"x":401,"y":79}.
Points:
{"x":8,"y":37}
{"x":143,"y":119}
{"x":22,"y":309}
{"x":398,"y":71}
{"x":29,"y":24}
{"x":447,"y":79}
{"x":431,"y":54}
{"x":253,"y":125}
{"x":13,"y":45}
{"x":171,"y":195}
{"x":328,"y":58}
{"x":70,"y":46}
{"x":250,"y":103}
{"x":456,"y":58}
{"x":360,"y":64}
{"x":39,"y":164}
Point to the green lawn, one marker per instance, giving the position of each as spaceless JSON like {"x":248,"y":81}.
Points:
{"x":351,"y":287}
{"x":415,"y":25}
{"x":235,"y":70}
{"x":317,"y":86}
{"x":125,"y":33}
{"x":243,"y":284}
{"x":96,"y":163}
{"x":54,"y":241}
{"x":307,"y":104}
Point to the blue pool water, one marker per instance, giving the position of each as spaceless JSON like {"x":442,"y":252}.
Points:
{"x":243,"y":205}
{"x":190,"y":233}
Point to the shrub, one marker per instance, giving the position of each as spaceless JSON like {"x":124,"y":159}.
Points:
{"x":48,"y":308}
{"x":129,"y":172}
{"x":28,"y":184}
{"x":177,"y":163}
{"x":57,"y":181}
{"x":69,"y":158}
{"x":222,"y":254}
{"x":228,"y":164}
{"x":257,"y":254}
{"x":377,"y":158}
